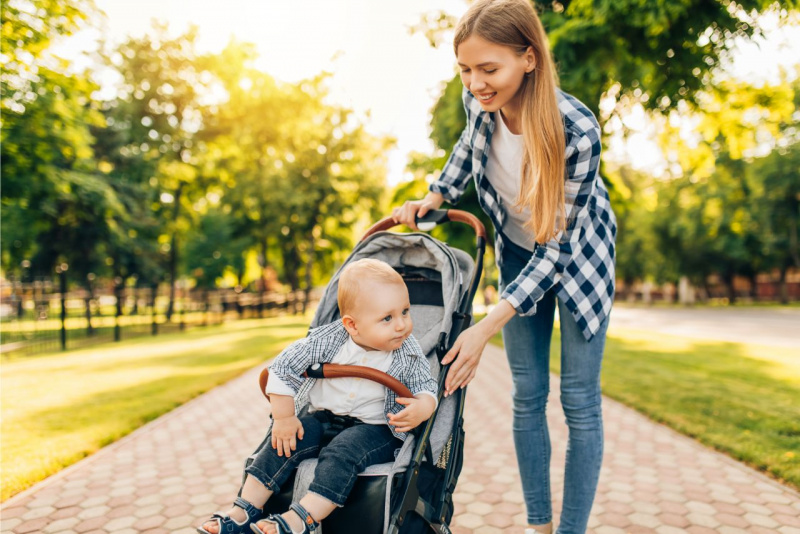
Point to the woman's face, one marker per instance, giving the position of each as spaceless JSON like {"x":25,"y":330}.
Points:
{"x":493,"y":73}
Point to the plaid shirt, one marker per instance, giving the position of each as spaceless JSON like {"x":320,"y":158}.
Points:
{"x":579,"y":261}
{"x":409,"y":366}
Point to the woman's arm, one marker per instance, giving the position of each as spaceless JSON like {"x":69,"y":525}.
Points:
{"x":540,"y":274}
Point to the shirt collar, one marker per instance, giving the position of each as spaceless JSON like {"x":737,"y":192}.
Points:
{"x":334,"y":335}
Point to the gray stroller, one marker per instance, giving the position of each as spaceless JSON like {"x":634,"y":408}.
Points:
{"x":413,"y":494}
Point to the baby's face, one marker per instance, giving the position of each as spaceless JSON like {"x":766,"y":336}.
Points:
{"x":382,"y":316}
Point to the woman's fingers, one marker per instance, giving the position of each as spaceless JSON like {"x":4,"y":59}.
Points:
{"x":462,"y":371}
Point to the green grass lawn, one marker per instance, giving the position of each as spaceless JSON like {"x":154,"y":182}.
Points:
{"x":58,"y":408}
{"x":741,"y":399}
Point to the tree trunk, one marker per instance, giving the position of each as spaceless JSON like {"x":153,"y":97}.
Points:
{"x":173,"y":252}
{"x":88,"y":304}
{"x":783,"y":288}
{"x":728,"y":278}
{"x":262,"y":290}
{"x":292,"y":262}
{"x":309,"y":267}
{"x":754,"y":286}
{"x":706,"y":290}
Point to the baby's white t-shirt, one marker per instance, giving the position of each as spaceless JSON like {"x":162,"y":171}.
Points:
{"x":360,"y":398}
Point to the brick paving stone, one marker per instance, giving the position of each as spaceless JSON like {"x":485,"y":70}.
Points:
{"x":61,"y":525}
{"x":158,"y":481}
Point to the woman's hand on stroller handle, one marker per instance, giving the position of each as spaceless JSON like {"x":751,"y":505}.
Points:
{"x":411,"y":209}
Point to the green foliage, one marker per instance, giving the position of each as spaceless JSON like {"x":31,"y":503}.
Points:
{"x":202,"y":150}
{"x":660,"y":52}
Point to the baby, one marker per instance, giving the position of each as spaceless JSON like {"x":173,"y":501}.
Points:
{"x":375,"y":331}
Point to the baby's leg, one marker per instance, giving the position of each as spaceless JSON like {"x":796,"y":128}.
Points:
{"x":338,"y":466}
{"x":266,"y":471}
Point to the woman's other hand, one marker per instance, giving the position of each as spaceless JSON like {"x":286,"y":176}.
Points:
{"x":407,"y":213}
{"x":469,"y":346}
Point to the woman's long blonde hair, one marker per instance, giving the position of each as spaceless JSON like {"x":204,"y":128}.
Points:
{"x":514,"y":23}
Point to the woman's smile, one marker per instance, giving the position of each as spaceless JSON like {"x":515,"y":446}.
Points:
{"x":486,"y":97}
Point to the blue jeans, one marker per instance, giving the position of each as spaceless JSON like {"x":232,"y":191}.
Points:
{"x":338,"y":463}
{"x":527,"y":344}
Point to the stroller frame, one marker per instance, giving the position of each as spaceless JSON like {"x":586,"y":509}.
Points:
{"x":410,"y":512}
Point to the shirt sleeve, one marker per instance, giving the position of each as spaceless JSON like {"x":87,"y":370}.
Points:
{"x":419,"y":378}
{"x":435,"y":398}
{"x":278,"y":387}
{"x":453,"y":180}
{"x":457,"y":171}
{"x":289,"y":366}
{"x":549,"y":260}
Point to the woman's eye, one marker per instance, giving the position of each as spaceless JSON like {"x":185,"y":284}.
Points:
{"x":464,"y":71}
{"x":490,"y":71}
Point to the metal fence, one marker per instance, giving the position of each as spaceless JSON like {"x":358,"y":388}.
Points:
{"x":36,"y":316}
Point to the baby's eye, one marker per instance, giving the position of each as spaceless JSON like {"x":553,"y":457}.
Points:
{"x":405,"y":312}
{"x":387,"y":319}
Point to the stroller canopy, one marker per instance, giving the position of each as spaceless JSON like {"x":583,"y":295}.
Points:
{"x":420,"y":258}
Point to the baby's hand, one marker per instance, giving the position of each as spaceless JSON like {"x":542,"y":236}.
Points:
{"x":285,"y":433}
{"x":417,"y":410}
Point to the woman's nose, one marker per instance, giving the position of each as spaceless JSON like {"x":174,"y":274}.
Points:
{"x":476,"y":84}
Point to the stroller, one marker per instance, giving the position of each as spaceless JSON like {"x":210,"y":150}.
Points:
{"x":414,"y":493}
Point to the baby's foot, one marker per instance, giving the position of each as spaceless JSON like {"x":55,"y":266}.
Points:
{"x":292,"y":518}
{"x":236,"y":513}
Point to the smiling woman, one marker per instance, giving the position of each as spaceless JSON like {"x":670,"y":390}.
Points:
{"x":534,"y":154}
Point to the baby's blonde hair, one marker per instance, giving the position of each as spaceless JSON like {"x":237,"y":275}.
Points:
{"x":358,"y":271}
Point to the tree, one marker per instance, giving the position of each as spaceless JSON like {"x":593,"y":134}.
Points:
{"x":149,"y":148}
{"x":724,"y":207}
{"x":63,"y":210}
{"x":297,"y":173}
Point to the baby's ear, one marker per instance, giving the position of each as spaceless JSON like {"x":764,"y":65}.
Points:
{"x":350,"y":325}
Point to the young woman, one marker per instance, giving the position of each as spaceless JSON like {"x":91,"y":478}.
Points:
{"x":534,"y":153}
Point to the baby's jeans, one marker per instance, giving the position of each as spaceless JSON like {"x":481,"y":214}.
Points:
{"x":527,"y":344}
{"x":338,"y":463}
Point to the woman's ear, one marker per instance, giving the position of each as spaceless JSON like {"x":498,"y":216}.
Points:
{"x":350,"y":325}
{"x":530,"y":60}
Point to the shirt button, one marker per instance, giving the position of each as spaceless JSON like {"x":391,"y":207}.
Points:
{"x":352,"y":395}
{"x":363,"y":360}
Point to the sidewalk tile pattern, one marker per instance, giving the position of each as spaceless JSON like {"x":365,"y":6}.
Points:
{"x":172,"y":473}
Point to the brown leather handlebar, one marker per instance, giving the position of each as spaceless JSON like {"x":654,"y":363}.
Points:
{"x":332,"y":370}
{"x":453,"y":215}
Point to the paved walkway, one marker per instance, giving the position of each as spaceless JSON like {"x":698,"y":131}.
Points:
{"x":763,"y":326}
{"x":169,"y":475}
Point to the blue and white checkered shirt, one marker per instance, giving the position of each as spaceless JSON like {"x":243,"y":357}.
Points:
{"x":579,"y":261}
{"x":409,"y":366}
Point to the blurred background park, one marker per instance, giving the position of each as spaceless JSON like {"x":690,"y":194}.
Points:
{"x":167,"y":164}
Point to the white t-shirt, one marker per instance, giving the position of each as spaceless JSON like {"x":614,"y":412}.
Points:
{"x":503,"y":170}
{"x":360,"y":398}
